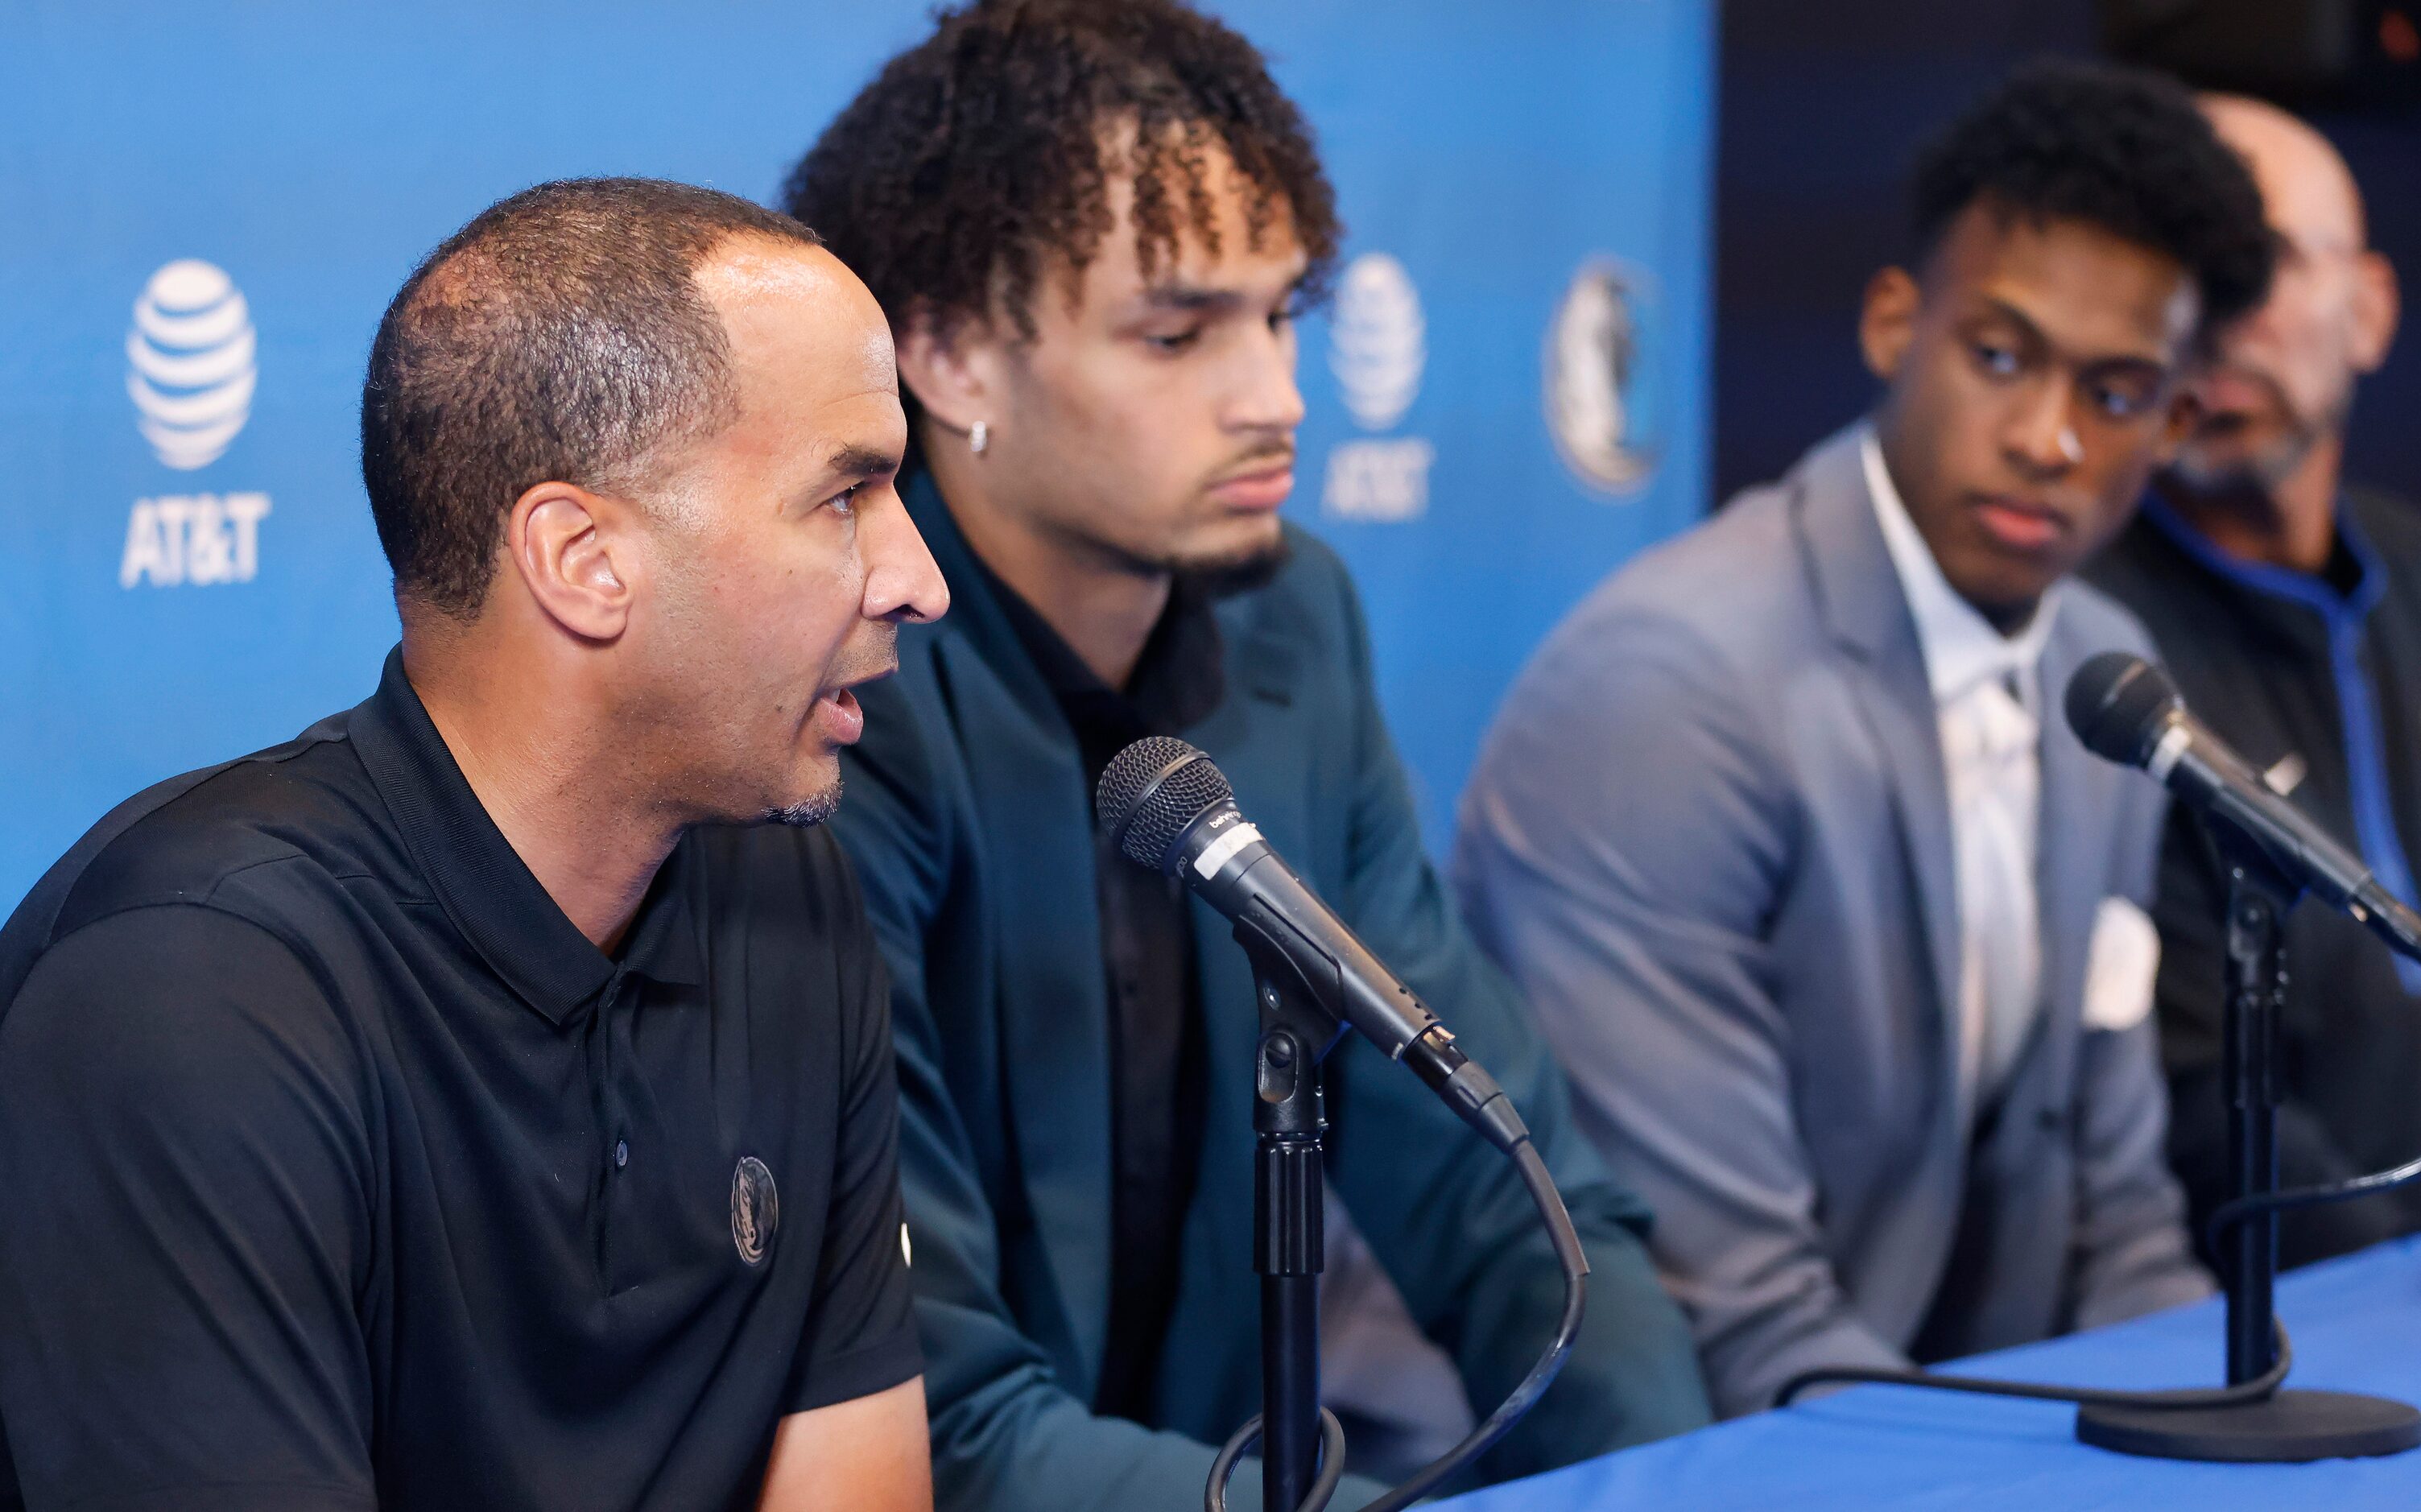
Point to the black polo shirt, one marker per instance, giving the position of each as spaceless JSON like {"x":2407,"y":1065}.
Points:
{"x":338,"y":1169}
{"x":2317,"y":679}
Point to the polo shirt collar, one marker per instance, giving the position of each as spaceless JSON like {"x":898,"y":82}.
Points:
{"x":483,"y":884}
{"x":1962,"y":648}
{"x":2339,"y":608}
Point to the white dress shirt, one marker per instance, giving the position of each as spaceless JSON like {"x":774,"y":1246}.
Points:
{"x":1988,"y":696}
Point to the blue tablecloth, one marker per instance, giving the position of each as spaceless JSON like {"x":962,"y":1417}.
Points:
{"x":2357,"y":1326}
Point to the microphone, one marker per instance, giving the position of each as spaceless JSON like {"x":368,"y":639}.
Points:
{"x":1167,"y":807}
{"x":2127,"y":710}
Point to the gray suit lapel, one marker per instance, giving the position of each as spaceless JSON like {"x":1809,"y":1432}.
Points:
{"x":1858,"y":593}
{"x":2071,"y":850}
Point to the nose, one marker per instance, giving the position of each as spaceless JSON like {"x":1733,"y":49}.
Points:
{"x":1266,"y":398}
{"x":2042,"y":435}
{"x":903,"y":585}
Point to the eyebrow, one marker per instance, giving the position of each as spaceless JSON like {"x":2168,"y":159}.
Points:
{"x":2036,"y":334}
{"x":1191,"y":298}
{"x":1194,"y":298}
{"x":862,"y":462}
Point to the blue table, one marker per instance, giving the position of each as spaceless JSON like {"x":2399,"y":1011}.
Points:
{"x":2356,"y":1325}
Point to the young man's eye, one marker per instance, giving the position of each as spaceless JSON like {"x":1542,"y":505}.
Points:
{"x":1172,"y":342}
{"x":2118,"y":403}
{"x":845,"y":502}
{"x":1999,"y":361}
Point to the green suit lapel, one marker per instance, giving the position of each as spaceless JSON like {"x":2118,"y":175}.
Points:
{"x":1036,"y":847}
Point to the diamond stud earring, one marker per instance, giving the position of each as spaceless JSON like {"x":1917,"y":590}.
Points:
{"x":978,"y":437}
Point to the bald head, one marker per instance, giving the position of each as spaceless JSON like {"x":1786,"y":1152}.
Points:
{"x":2274,"y":404}
{"x":2306,"y":188}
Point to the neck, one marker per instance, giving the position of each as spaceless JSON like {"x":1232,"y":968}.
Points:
{"x":560,"y":793}
{"x":2292,"y":524}
{"x":1102,"y":605}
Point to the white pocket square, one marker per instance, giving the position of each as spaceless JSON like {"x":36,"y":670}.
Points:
{"x":2120,"y":969}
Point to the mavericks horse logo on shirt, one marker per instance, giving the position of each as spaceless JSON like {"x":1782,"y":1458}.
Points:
{"x":754,"y":1211}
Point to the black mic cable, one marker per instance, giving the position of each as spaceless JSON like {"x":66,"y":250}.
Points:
{"x":1169,"y":808}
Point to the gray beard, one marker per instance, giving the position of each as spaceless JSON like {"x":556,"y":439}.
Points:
{"x":806,"y":815}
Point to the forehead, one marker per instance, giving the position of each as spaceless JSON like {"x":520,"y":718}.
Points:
{"x":1226,"y":252}
{"x":798,"y":323}
{"x":2093,"y":293}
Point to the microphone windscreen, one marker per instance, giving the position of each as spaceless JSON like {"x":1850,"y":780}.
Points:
{"x":2117,"y":703}
{"x":1151,"y":790}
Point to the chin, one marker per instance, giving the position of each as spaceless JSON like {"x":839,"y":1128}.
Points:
{"x":808,"y":812}
{"x":1260,"y":542}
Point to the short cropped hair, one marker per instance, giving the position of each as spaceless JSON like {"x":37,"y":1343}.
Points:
{"x":2118,"y":148}
{"x":974,"y":163}
{"x":559,"y":337}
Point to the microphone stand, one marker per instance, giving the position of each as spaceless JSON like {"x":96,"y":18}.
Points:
{"x":2286,"y":1426}
{"x":1288,"y":1117}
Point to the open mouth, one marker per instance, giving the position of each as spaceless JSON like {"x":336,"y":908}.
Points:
{"x":839,"y":716}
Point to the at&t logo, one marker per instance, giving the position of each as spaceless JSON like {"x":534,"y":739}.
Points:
{"x":1377,"y":345}
{"x":191,"y":371}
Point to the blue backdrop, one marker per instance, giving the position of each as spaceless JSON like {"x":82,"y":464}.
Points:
{"x":203,"y":209}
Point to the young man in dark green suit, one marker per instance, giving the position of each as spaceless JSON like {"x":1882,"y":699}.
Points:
{"x":1091,"y":225}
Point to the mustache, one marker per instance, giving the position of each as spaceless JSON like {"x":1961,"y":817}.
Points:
{"x":872,"y":654}
{"x":1260,"y":459}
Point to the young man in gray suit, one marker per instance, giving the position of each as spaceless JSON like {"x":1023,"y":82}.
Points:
{"x":1835,"y":925}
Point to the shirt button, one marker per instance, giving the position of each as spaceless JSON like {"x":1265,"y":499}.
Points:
{"x":621,"y":1153}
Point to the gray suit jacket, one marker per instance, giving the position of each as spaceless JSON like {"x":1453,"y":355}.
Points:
{"x":1710,"y":836}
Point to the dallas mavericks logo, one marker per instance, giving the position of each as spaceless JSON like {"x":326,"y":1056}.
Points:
{"x":1378,"y":343}
{"x":190,"y":363}
{"x":754,"y":1211}
{"x":1595,"y":399}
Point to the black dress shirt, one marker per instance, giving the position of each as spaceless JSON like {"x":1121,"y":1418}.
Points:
{"x":341,"y":1170}
{"x":1156,"y":1078}
{"x":2317,"y":681}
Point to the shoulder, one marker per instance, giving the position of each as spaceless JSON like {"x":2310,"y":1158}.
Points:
{"x":1724,"y":602}
{"x":2391,"y":523}
{"x":270,"y":838}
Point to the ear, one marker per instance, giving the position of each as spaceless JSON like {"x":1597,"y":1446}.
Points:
{"x":1887,"y":321}
{"x":2177,"y":421}
{"x":561,"y":540}
{"x":2377,"y":307}
{"x":951,"y":370}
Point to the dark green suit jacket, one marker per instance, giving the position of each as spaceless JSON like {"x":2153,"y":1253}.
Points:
{"x":970,"y":823}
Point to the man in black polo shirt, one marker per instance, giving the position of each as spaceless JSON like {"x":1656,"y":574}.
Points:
{"x":2288,"y":605}
{"x":448,"y":1108}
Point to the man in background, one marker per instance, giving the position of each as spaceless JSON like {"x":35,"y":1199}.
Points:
{"x":1833,"y":920}
{"x":1092,"y":222}
{"x":2287,"y":604}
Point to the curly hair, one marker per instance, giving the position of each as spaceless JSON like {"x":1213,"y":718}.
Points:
{"x":979,"y":161}
{"x":2118,"y":148}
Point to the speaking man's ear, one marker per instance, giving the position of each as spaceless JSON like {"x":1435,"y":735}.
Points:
{"x":1887,"y":321}
{"x":561,"y":542}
